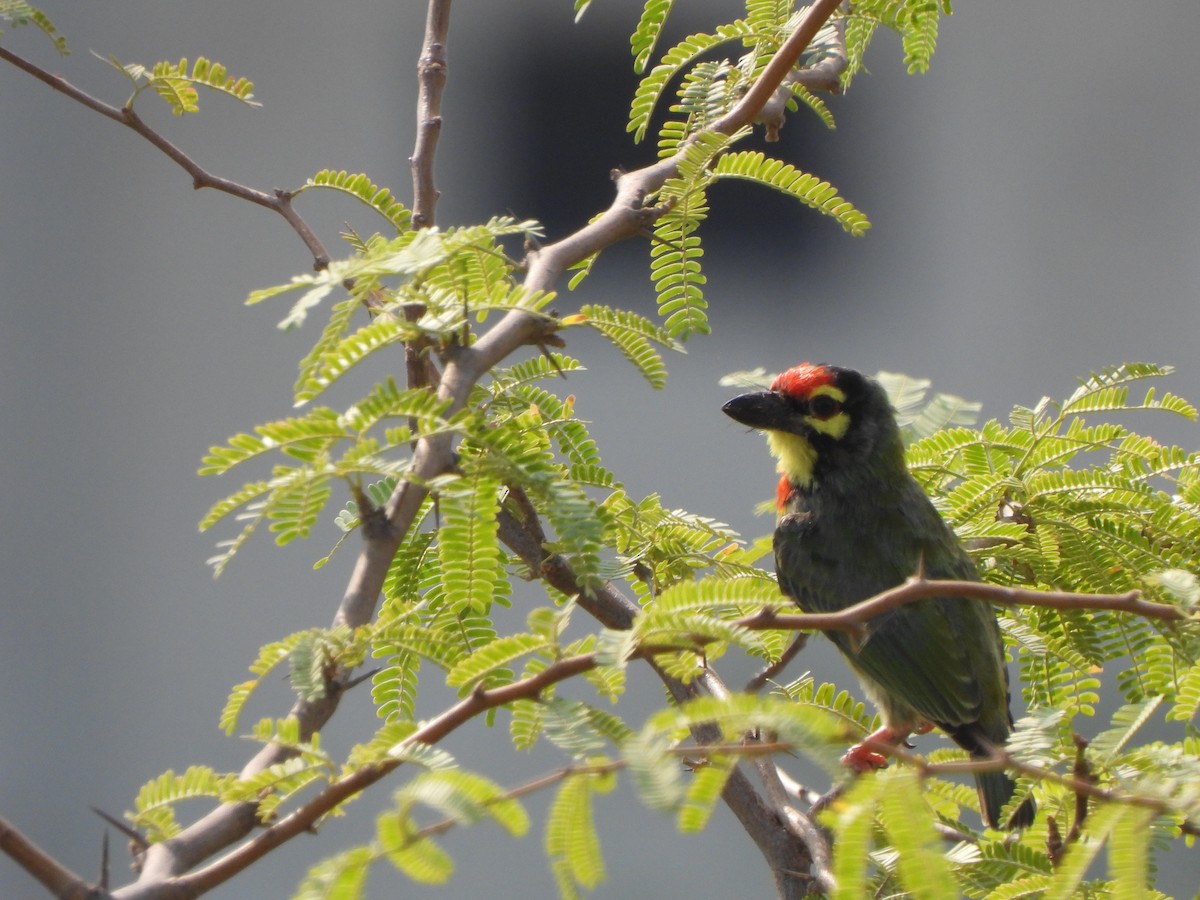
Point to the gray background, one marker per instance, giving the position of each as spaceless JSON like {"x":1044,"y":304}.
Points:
{"x":1035,"y":207}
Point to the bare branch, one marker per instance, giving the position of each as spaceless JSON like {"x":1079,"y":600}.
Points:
{"x":278,"y":201}
{"x":854,"y":618}
{"x":431,"y":77}
{"x":51,"y":874}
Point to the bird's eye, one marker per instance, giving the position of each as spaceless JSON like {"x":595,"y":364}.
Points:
{"x":823,"y":406}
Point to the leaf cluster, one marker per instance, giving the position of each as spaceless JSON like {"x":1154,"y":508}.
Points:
{"x":176,"y":84}
{"x":18,"y":12}
{"x":708,"y":88}
{"x":1050,"y":500}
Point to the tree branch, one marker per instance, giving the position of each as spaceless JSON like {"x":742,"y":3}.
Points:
{"x":51,"y":874}
{"x":431,"y":77}
{"x":306,"y":816}
{"x":769,"y":824}
{"x":279,"y":201}
{"x":853,"y":619}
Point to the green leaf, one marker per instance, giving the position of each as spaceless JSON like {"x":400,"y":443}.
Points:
{"x":633,"y":335}
{"x":787,"y":179}
{"x":341,"y":877}
{"x":908,"y":824}
{"x":419,"y":858}
{"x":305,"y":438}
{"x":394,"y":687}
{"x":703,"y":793}
{"x":269,"y":656}
{"x":295,"y":507}
{"x":673,"y":62}
{"x":155,"y":801}
{"x":18,"y":12}
{"x":472,"y":562}
{"x":572,"y":845}
{"x":362,"y":188}
{"x":499,"y":653}
{"x":851,"y":846}
{"x":466,"y":798}
{"x":1127,"y":721}
{"x":649,"y":27}
{"x":1128,"y":854}
{"x":175,"y":84}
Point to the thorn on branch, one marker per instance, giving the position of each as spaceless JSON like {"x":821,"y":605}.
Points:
{"x":102,"y":883}
{"x":136,"y":841}
{"x":359,"y":679}
{"x":552,"y":340}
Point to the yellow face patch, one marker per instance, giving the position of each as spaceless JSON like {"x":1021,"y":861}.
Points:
{"x":795,"y":453}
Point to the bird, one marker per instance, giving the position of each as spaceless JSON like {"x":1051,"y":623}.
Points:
{"x":852,"y":523}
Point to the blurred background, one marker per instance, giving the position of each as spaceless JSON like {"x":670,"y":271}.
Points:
{"x":1035,"y":212}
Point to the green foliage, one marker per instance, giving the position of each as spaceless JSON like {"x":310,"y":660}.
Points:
{"x":154,"y":807}
{"x":675,"y":254}
{"x":1049,"y":501}
{"x":572,"y":845}
{"x":916,"y":21}
{"x":1055,"y":501}
{"x":362,"y":188}
{"x":634,"y":335}
{"x":175,"y":84}
{"x":18,"y":12}
{"x":787,"y":179}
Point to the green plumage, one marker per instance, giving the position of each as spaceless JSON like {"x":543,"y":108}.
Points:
{"x":853,"y":523}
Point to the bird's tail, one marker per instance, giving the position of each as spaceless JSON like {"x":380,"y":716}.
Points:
{"x":996,"y":789}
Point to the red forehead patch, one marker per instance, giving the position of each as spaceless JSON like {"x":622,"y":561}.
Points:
{"x":802,"y":380}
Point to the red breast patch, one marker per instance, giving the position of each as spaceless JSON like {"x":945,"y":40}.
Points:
{"x":782,"y":491}
{"x":802,"y":380}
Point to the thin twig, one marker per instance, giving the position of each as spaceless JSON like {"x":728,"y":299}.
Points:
{"x":278,"y":201}
{"x":853,"y":619}
{"x":431,"y":81}
{"x":755,"y":684}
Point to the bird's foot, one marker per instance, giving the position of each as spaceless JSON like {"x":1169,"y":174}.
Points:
{"x":861,"y":759}
{"x":867,"y":756}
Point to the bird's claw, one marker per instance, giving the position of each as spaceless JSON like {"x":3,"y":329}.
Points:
{"x":861,"y":759}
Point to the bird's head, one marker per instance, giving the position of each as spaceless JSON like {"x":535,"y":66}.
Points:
{"x":822,"y":423}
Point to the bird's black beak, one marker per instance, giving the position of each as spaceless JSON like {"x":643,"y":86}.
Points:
{"x":765,"y":410}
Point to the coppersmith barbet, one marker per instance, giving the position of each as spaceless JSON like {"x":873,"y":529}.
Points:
{"x":853,"y":523}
